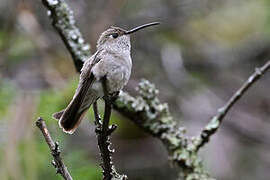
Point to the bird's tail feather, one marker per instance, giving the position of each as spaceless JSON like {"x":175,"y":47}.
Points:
{"x":58,"y":115}
{"x":70,"y":118}
{"x":70,"y":125}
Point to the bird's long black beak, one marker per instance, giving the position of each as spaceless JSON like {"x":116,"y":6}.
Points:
{"x":141,"y":27}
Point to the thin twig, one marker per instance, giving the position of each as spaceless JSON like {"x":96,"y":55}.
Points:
{"x":97,"y":116}
{"x":104,"y":138}
{"x":103,"y":131}
{"x":108,"y":108}
{"x":214,"y":124}
{"x":54,"y":147}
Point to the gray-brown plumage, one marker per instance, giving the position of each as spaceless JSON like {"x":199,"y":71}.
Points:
{"x":111,"y":60}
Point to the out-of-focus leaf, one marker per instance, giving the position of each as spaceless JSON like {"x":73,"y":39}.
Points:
{"x":52,"y":101}
{"x":20,"y":48}
{"x":7,"y":92}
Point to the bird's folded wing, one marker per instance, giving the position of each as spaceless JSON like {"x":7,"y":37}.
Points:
{"x":76,"y":108}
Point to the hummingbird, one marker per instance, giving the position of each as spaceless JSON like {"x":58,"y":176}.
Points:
{"x":112,"y":61}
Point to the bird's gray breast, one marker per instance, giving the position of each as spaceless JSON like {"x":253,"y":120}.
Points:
{"x":116,"y":68}
{"x":119,"y":73}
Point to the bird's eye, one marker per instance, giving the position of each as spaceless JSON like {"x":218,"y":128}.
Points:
{"x":114,"y":35}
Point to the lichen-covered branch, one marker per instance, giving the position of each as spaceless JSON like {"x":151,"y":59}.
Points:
{"x":54,"y":148}
{"x":63,"y":21}
{"x":215,"y":123}
{"x":103,"y":132}
{"x":147,"y":112}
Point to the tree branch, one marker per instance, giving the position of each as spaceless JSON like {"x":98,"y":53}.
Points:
{"x":147,"y":112}
{"x":103,"y":132}
{"x":64,"y":23}
{"x":54,"y":148}
{"x":215,"y":123}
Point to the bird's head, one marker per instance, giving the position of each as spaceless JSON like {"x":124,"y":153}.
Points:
{"x":116,"y":37}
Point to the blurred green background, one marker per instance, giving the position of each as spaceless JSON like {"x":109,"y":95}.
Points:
{"x":202,"y":52}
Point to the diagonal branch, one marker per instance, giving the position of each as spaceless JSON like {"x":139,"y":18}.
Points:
{"x":147,"y":112}
{"x":64,"y":23}
{"x":54,"y":147}
{"x":214,"y":124}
